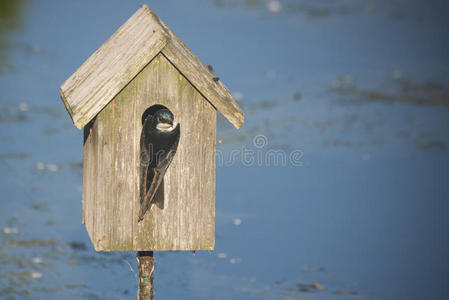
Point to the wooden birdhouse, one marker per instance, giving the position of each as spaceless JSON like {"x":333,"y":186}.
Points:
{"x":140,"y":69}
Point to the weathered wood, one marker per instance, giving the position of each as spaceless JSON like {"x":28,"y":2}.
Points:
{"x":111,"y":168}
{"x":202,"y":79}
{"x":124,"y":55}
{"x":109,"y":69}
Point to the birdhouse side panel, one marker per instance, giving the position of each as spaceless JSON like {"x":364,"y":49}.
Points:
{"x":111,"y":182}
{"x":109,"y":187}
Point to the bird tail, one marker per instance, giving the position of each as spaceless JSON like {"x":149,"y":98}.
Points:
{"x":151,"y":192}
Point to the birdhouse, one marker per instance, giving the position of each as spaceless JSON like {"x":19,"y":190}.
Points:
{"x":141,"y":69}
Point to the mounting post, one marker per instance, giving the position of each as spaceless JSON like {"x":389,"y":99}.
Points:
{"x":145,"y":261}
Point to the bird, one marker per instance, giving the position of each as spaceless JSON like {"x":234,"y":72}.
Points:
{"x":158,"y":144}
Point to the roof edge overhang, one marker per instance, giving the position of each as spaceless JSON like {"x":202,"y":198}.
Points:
{"x":110,"y":68}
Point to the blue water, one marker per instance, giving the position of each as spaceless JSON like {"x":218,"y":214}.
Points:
{"x":352,"y":97}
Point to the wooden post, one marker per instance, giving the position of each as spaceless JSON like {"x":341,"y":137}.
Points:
{"x":145,"y":260}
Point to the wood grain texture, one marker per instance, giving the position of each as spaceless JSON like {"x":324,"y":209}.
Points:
{"x":202,"y":79}
{"x":111,"y":168}
{"x":109,"y":69}
{"x":103,"y":75}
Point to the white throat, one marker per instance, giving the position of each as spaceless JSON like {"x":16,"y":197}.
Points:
{"x":166,"y":127}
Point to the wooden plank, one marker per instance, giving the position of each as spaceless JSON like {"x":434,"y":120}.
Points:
{"x":89,"y":172}
{"x":202,"y":79}
{"x":109,"y":69}
{"x":187,"y":220}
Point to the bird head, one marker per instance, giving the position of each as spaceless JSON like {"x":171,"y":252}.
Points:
{"x":164,"y":116}
{"x":164,"y":120}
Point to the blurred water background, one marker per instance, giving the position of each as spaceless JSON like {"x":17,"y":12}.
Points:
{"x":354,"y":94}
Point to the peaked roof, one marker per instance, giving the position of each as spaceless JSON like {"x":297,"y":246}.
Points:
{"x":109,"y":69}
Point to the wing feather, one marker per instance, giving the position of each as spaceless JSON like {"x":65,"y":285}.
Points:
{"x":156,"y":166}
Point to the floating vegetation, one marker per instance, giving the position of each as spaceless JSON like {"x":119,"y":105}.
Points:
{"x":100,"y":259}
{"x":18,"y":261}
{"x":50,"y":289}
{"x":23,"y":272}
{"x":24,"y":107}
{"x":50,"y":131}
{"x":74,"y":165}
{"x":56,"y":111}
{"x":274,"y":6}
{"x":39,"y":206}
{"x":310,"y":8}
{"x":251,"y":107}
{"x":8,"y":114}
{"x":237,"y":222}
{"x":10,"y":230}
{"x":52,"y":167}
{"x":13,"y":290}
{"x":28,"y":49}
{"x":323,"y":9}
{"x":339,"y":142}
{"x":318,"y":286}
{"x":426,"y":141}
{"x":31,"y":243}
{"x":297,"y":96}
{"x":303,"y":287}
{"x":75,"y":286}
{"x":47,"y":166}
{"x":12,"y":111}
{"x":403,"y":91}
{"x":234,"y":138}
{"x":38,"y":260}
{"x":36,"y":275}
{"x":78,"y":246}
{"x":345,"y":292}
{"x":23,"y":276}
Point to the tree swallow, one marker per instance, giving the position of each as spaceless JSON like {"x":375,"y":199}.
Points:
{"x":158,"y":143}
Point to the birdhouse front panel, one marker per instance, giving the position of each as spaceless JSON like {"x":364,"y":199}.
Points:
{"x":183,"y":218}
